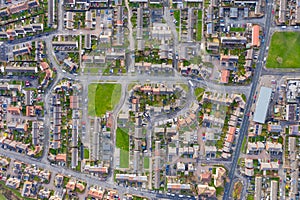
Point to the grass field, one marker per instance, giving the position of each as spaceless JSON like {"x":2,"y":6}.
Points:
{"x":122,"y":140}
{"x":2,"y":197}
{"x":103,"y":98}
{"x":177,"y":16}
{"x":124,"y":159}
{"x":284,"y":50}
{"x":146,"y":163}
{"x":199,"y":93}
{"x":86,"y":154}
{"x":199,"y":26}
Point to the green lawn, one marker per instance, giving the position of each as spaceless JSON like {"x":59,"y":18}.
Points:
{"x":199,"y":93}
{"x":185,"y":87}
{"x":237,"y":29}
{"x":244,"y":145}
{"x":284,"y":50}
{"x":146,"y":163}
{"x":103,"y":98}
{"x":219,"y":191}
{"x":124,"y":159}
{"x":2,"y":197}
{"x":177,"y":16}
{"x":86,"y":154}
{"x":122,"y":140}
{"x":199,"y":26}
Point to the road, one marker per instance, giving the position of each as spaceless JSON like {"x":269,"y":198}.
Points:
{"x":244,"y":127}
{"x":90,"y":180}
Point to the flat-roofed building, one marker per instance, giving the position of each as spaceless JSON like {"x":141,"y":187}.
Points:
{"x":87,"y":41}
{"x":274,"y":190}
{"x":282,"y":12}
{"x":258,"y":183}
{"x":262,"y":105}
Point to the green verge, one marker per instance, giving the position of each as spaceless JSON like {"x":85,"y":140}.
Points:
{"x":199,"y":26}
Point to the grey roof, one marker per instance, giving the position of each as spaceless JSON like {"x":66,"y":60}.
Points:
{"x":262,"y":105}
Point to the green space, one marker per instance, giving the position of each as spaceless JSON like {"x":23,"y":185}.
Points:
{"x":177,"y":16}
{"x":2,"y":197}
{"x":199,"y":93}
{"x":244,"y":145}
{"x":12,"y":193}
{"x":103,"y":98}
{"x":124,"y":159}
{"x":284,"y":50}
{"x":86,"y":154}
{"x":219,"y":191}
{"x":199,"y":26}
{"x":237,"y":29}
{"x":146,"y":163}
{"x":185,"y":87}
{"x":122,"y":140}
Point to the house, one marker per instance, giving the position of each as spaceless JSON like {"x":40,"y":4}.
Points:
{"x":58,"y":181}
{"x":273,"y":148}
{"x":80,"y":186}
{"x":14,"y":110}
{"x":74,"y":102}
{"x":225,"y":76}
{"x":178,"y":186}
{"x":27,"y":189}
{"x":96,"y":169}
{"x":44,"y":193}
{"x":87,"y":41}
{"x":228,"y":60}
{"x":21,"y":51}
{"x":269,"y":166}
{"x":249,"y":170}
{"x":255,"y":148}
{"x":28,"y":97}
{"x":206,"y":192}
{"x":96,"y":192}
{"x":274,"y":128}
{"x":13,"y":183}
{"x":294,"y":130}
{"x":71,"y":185}
{"x":61,"y":158}
{"x":219,"y":176}
{"x":291,"y":112}
{"x":258,"y":185}
{"x":233,"y":41}
{"x":255,"y":36}
{"x":205,"y":177}
{"x":87,"y":59}
{"x":274,"y":190}
{"x":131,"y":178}
{"x":180,"y":167}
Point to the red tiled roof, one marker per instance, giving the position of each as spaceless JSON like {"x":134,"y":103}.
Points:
{"x":255,"y":35}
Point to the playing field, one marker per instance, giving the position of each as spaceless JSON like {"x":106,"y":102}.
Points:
{"x":284,"y":50}
{"x":103,"y":98}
